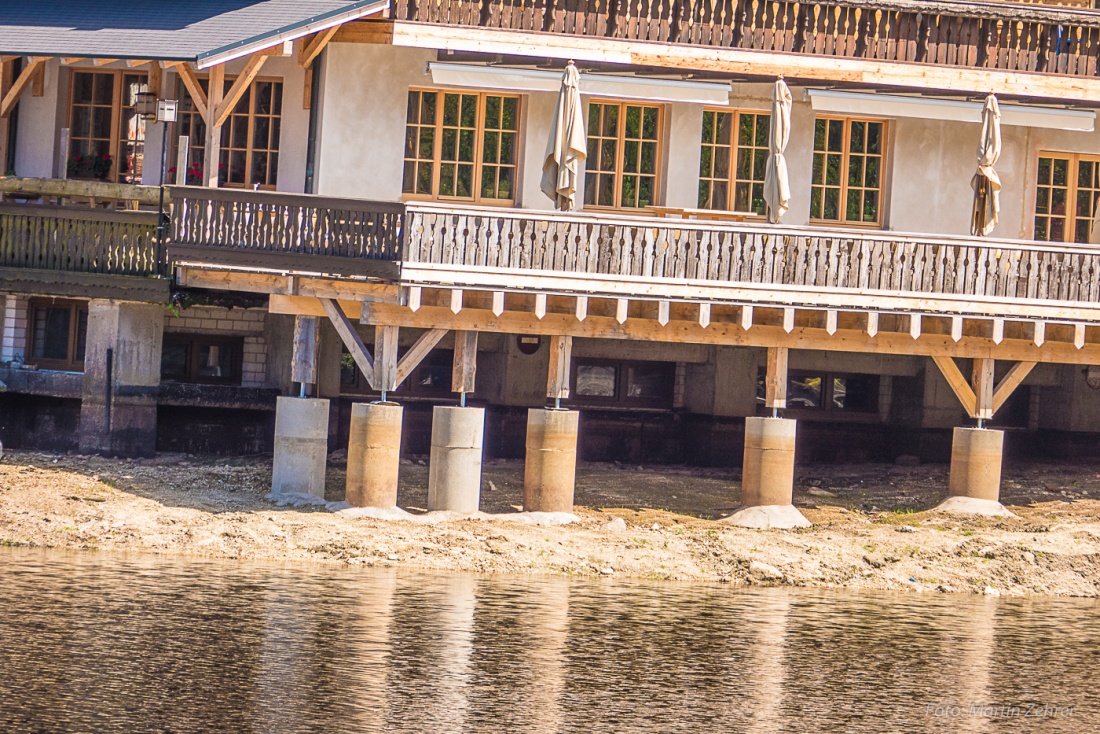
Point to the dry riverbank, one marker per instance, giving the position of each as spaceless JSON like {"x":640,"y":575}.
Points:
{"x":870,"y":528}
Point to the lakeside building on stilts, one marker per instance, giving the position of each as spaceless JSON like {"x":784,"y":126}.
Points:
{"x":702,"y":232}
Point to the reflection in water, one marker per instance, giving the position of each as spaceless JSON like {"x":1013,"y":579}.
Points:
{"x":110,"y":643}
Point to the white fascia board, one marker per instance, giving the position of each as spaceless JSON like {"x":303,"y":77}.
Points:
{"x":885,"y":105}
{"x":594,"y":85}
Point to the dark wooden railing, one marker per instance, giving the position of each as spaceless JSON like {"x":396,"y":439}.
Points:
{"x":728,"y":252}
{"x":291,"y":224}
{"x":967,"y":34}
{"x":78,"y":240}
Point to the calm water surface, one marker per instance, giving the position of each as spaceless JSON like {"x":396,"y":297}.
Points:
{"x":103,"y":643}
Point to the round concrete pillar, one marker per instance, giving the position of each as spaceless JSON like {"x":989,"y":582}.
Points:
{"x":767,"y":476}
{"x":550,"y":470}
{"x":301,"y":446}
{"x":454,"y":472}
{"x":374,"y":454}
{"x":975,"y":482}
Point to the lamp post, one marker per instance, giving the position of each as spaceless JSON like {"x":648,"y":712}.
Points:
{"x":164,"y":112}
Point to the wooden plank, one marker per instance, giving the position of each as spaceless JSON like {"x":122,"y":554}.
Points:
{"x":557,"y":381}
{"x":1010,"y":382}
{"x":465,"y":362}
{"x":416,"y":354}
{"x":312,"y":48}
{"x":237,"y":90}
{"x":365,"y":31}
{"x":957,"y":383}
{"x":307,"y":339}
{"x":213,"y":146}
{"x":19,"y":85}
{"x":350,"y":337}
{"x":981,"y":381}
{"x":71,"y":189}
{"x":191,"y":84}
{"x":385,"y":358}
{"x":183,"y":158}
{"x":775,"y":380}
{"x":155,"y":80}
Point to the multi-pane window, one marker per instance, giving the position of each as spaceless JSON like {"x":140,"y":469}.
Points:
{"x":1067,"y":189}
{"x":848,"y":170}
{"x":106,"y":134}
{"x":624,"y":383}
{"x":621,"y":168}
{"x":58,"y":334}
{"x":824,"y":391}
{"x":461,"y":145}
{"x":733,"y":159}
{"x":250,"y":136}
{"x":202,"y":358}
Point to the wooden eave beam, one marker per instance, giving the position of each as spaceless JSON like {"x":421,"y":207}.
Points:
{"x":191,"y":82}
{"x":745,"y":62}
{"x":240,"y":85}
{"x":313,"y":48}
{"x":26,"y":76}
{"x":351,"y":338}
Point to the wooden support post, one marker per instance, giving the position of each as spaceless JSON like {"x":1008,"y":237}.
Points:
{"x":191,"y":84}
{"x":222,"y":109}
{"x":957,"y":383}
{"x":307,"y":339}
{"x":7,"y":74}
{"x":155,"y":80}
{"x":183,"y":156}
{"x":465,"y":362}
{"x":775,"y":382}
{"x":417,"y":353}
{"x":1010,"y":382}
{"x":385,"y":358}
{"x":13,"y":92}
{"x":981,"y":382}
{"x":309,"y":50}
{"x":557,"y":381}
{"x":38,"y":81}
{"x":351,"y":339}
{"x":213,"y":153}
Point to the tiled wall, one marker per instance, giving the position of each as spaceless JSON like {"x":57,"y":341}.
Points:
{"x":248,"y":323}
{"x":13,"y":329}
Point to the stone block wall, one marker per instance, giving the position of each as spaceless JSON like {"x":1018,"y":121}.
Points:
{"x":245,"y":322}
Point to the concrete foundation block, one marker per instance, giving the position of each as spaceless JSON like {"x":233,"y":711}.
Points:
{"x":374,"y":454}
{"x":301,"y":446}
{"x":454,"y":471}
{"x":550,"y":469}
{"x":767,"y":476}
{"x":974,"y":486}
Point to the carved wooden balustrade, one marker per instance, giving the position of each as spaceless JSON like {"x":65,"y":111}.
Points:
{"x":802,"y":260}
{"x":1001,"y":36}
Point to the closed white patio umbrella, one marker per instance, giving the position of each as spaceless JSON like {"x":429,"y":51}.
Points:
{"x":986,"y":183}
{"x":567,"y":146}
{"x":777,"y":185}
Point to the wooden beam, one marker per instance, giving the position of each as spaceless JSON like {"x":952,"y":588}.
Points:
{"x":742,"y":62}
{"x":775,"y":380}
{"x":191,"y":83}
{"x":212,"y":155}
{"x":498,"y":302}
{"x":465,"y":362}
{"x":7,"y":75}
{"x":240,"y":86}
{"x":557,"y":379}
{"x":416,"y":354}
{"x":71,"y":59}
{"x":38,"y":81}
{"x":307,"y":339}
{"x":958,"y":383}
{"x":104,"y":62}
{"x":365,"y":31}
{"x":385,"y":358}
{"x":155,"y":79}
{"x":981,"y":381}
{"x":1010,"y":382}
{"x":350,"y":337}
{"x":704,"y":315}
{"x":134,"y":63}
{"x":312,"y":49}
{"x":19,"y":85}
{"x":581,"y":310}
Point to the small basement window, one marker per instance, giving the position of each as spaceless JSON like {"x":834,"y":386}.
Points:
{"x":58,"y":334}
{"x":430,"y":379}
{"x":828,"y":392}
{"x":202,"y":358}
{"x":626,"y":384}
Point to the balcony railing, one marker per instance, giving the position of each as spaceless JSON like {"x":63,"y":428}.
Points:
{"x":979,"y":35}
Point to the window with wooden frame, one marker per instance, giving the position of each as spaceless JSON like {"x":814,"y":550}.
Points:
{"x":849,"y":157}
{"x":623,"y":383}
{"x":732,"y":161}
{"x":461,"y":146}
{"x":202,"y":358}
{"x":106,"y":133}
{"x":58,"y":334}
{"x":622,"y":168}
{"x":249,"y":155}
{"x":1066,"y":192}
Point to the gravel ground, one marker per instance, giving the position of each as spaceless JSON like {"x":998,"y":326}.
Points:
{"x":871,"y":528}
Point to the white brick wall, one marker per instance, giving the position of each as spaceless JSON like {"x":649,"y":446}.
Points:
{"x":248,"y":323}
{"x":13,"y":334}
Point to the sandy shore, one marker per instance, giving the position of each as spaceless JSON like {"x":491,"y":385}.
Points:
{"x":871,"y":528}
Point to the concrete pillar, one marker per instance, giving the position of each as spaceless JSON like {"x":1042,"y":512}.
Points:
{"x":118,"y":410}
{"x":374,"y":454}
{"x":550,"y":471}
{"x":301,"y":446}
{"x":454,"y":474}
{"x":974,"y":486}
{"x":767,"y":476}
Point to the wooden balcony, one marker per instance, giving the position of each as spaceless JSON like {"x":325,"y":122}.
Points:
{"x":1012,"y":38}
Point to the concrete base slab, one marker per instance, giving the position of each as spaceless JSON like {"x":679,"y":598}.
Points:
{"x":972,"y":506}
{"x":768,"y":517}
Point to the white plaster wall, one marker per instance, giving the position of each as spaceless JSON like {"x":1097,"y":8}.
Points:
{"x":685,"y":122}
{"x":39,"y":126}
